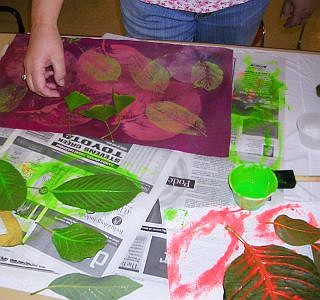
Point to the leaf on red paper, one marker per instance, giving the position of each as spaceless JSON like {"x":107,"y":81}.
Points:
{"x":271,"y":272}
{"x":295,"y":232}
{"x":75,"y":100}
{"x":175,"y":118}
{"x":100,"y":112}
{"x":316,"y":254}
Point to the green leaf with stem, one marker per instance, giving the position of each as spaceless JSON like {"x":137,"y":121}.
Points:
{"x":13,"y":187}
{"x":83,"y":287}
{"x":77,"y":242}
{"x":75,"y":100}
{"x":98,"y":193}
{"x":270,"y":272}
{"x":295,"y":232}
{"x":100,"y":112}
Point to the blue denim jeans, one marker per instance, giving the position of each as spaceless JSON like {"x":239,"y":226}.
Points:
{"x":236,"y":25}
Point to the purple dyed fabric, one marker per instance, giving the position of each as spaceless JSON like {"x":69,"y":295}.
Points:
{"x":182,"y":93}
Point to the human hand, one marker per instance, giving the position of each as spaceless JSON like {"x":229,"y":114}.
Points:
{"x":44,"y":59}
{"x":296,"y":12}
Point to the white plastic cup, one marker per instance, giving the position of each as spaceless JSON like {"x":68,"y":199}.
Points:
{"x":308,"y":125}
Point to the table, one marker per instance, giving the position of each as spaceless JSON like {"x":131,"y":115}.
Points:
{"x":302,"y":69}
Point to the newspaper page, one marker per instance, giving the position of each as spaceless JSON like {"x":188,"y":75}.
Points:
{"x":4,"y":135}
{"x":36,"y":154}
{"x":146,"y":261}
{"x":257,"y":107}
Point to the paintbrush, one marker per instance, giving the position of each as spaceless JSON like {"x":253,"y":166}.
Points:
{"x":288,"y":180}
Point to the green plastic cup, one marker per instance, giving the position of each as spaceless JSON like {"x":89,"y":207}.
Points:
{"x":252,"y":184}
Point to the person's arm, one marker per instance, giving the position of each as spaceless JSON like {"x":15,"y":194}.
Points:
{"x":45,"y":49}
{"x":298,"y":11}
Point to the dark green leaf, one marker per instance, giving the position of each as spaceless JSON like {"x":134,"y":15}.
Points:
{"x":271,"y":272}
{"x":13,"y":188}
{"x":122,"y":101}
{"x":83,"y":287}
{"x":98,"y":193}
{"x":77,"y":242}
{"x":75,"y":99}
{"x":316,"y":255}
{"x":100,"y":112}
{"x":318,"y":90}
{"x":295,"y":232}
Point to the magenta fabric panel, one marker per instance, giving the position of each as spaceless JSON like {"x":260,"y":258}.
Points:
{"x":182,"y":93}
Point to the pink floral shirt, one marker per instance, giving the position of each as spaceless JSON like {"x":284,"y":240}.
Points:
{"x":196,"y":6}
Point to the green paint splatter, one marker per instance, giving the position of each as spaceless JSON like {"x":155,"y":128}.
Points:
{"x":170,"y":214}
{"x":43,"y":177}
{"x":260,"y":96}
{"x":175,"y":215}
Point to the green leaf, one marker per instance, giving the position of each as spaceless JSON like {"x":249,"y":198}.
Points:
{"x":100,"y":112}
{"x":75,"y":99}
{"x":271,"y":272}
{"x":13,"y":188}
{"x":98,"y":193}
{"x":316,"y":255}
{"x":77,"y":242}
{"x":82,"y":287}
{"x":122,"y":101}
{"x":295,"y":232}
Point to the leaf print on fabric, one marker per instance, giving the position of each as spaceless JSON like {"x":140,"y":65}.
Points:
{"x":135,"y":122}
{"x":149,"y":74}
{"x":11,"y":97}
{"x":175,"y":118}
{"x":206,"y":75}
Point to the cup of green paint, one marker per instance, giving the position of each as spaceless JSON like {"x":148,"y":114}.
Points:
{"x":252,"y":184}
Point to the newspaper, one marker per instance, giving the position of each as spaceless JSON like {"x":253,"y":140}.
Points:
{"x":29,"y":151}
{"x":257,"y":107}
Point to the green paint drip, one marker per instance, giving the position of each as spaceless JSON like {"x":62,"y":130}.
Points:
{"x":259,"y":114}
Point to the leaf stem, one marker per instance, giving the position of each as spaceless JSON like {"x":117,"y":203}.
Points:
{"x":113,"y":130}
{"x":229,"y":228}
{"x":110,"y":132}
{"x":33,"y":187}
{"x":38,"y":291}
